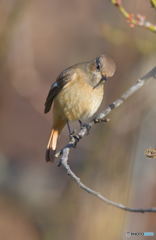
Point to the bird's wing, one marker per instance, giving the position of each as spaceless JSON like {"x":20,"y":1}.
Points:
{"x":64,"y":78}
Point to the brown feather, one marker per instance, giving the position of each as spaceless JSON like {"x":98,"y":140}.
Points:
{"x":64,"y":78}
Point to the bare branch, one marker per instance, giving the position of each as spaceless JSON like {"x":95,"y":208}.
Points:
{"x":65,"y":164}
{"x":64,"y":153}
{"x":135,"y":20}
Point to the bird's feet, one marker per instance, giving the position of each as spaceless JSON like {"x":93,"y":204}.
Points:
{"x":85,"y":125}
{"x":74,"y":138}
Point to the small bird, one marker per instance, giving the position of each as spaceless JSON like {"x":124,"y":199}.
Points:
{"x":76,"y":95}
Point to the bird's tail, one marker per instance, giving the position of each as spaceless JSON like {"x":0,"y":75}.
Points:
{"x":52,"y":143}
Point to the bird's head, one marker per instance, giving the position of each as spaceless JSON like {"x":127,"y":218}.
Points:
{"x":101,"y":68}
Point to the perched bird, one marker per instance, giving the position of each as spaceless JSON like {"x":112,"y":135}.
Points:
{"x":76,"y":95}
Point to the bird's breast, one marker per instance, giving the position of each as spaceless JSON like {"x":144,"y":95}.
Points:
{"x":79,"y":100}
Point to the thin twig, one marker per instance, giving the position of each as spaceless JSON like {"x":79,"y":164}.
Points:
{"x":153,"y":3}
{"x":65,"y":164}
{"x":64,"y":153}
{"x":134,"y":20}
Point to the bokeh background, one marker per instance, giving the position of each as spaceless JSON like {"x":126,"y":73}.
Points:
{"x":38,"y":39}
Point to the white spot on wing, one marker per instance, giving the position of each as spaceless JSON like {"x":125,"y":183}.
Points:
{"x":55,"y":84}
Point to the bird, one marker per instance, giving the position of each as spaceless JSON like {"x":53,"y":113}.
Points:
{"x":76,"y":94}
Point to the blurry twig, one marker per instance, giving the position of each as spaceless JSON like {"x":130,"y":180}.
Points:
{"x":153,"y":3}
{"x":135,"y":20}
{"x":64,"y":153}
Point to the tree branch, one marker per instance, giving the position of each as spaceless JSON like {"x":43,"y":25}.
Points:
{"x":135,"y":20}
{"x":65,"y":164}
{"x":64,"y":153}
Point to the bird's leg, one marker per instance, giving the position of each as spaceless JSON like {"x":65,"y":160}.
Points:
{"x":81,"y":124}
{"x":85,"y":125}
{"x":72,"y":135}
{"x":69,"y":129}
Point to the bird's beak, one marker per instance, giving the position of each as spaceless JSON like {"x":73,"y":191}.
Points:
{"x":104,"y":78}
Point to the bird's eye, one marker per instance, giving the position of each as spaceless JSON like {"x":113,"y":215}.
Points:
{"x":98,"y":64}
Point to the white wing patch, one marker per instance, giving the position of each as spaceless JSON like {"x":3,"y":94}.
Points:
{"x":55,"y":84}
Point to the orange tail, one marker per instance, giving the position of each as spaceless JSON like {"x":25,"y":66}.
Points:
{"x":52,"y":143}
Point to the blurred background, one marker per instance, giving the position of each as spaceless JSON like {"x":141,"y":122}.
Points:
{"x":38,"y":39}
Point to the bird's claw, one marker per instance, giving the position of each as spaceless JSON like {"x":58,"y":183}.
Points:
{"x":74,"y":139}
{"x":72,"y":134}
{"x":87,"y":126}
